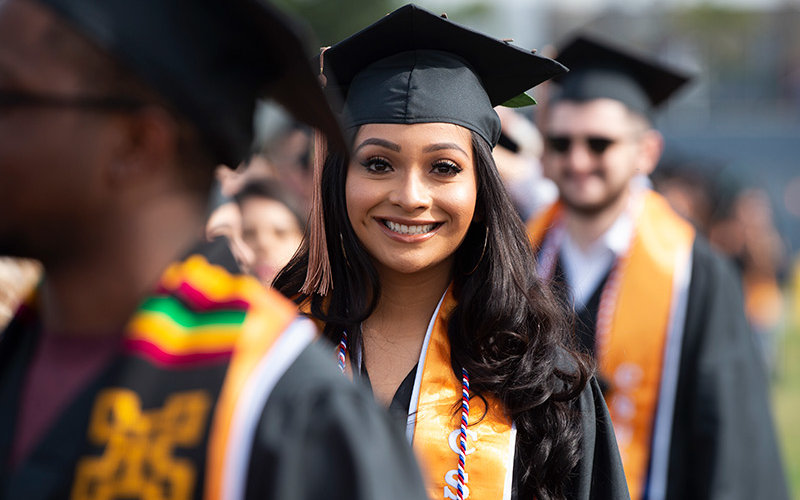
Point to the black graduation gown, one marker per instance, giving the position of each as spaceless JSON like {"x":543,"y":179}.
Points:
{"x":599,"y":473}
{"x":723,"y":443}
{"x":318,"y":436}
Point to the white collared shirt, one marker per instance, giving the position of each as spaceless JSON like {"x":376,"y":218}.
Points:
{"x":585,"y":270}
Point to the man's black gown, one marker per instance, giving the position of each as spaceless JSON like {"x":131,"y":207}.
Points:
{"x":723,"y":443}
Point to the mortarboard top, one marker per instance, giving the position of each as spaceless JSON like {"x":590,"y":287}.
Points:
{"x":210,"y":60}
{"x":413,"y":66}
{"x":600,"y":70}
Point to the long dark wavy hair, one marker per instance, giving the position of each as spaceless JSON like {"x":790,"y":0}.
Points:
{"x":508,"y":330}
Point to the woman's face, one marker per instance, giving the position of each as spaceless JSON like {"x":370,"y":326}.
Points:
{"x":271,"y":230}
{"x":411,"y":193}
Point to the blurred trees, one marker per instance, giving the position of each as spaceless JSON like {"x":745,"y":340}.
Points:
{"x":333,"y":20}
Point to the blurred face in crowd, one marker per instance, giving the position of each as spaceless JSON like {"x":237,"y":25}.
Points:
{"x":51,"y":158}
{"x":272,"y":233}
{"x":226,"y":221}
{"x":411,"y":192}
{"x":593,"y":150}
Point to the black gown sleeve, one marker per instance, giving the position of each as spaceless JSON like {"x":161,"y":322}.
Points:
{"x":321,"y":436}
{"x":599,"y":474}
{"x":723,"y":442}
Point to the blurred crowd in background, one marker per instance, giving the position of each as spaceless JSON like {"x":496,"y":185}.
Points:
{"x":731,"y":164}
{"x":261,"y":207}
{"x":748,"y":208}
{"x":733,"y":137}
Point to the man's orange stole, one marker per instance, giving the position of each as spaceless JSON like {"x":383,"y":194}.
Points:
{"x":648,"y":310}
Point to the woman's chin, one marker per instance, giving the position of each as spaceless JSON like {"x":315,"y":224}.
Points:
{"x":415,"y":267}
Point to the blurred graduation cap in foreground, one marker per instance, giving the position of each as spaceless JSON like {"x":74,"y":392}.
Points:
{"x":600,"y":70}
{"x":211,"y":60}
{"x":413,"y":66}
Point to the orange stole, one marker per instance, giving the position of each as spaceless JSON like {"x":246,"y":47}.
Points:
{"x":490,"y":442}
{"x":539,"y":224}
{"x":268,"y":317}
{"x":631,"y":354}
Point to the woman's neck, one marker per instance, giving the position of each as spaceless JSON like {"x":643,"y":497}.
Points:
{"x":408,"y":299}
{"x":394,"y":333}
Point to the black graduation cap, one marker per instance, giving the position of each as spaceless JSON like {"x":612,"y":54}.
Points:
{"x":600,"y":70}
{"x":211,"y":60}
{"x":413,"y":66}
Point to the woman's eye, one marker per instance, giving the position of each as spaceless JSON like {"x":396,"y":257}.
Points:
{"x":377,"y":165}
{"x":447,"y":168}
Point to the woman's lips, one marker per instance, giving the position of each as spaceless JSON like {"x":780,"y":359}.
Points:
{"x":408,"y":231}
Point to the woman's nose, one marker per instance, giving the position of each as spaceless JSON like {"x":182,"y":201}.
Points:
{"x":411,"y":192}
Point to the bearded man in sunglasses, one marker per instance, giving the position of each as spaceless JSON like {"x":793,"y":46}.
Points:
{"x":661,"y":313}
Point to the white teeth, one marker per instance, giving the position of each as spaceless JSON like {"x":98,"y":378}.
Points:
{"x":403,"y":229}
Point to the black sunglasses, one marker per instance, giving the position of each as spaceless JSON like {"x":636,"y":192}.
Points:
{"x":10,"y":99}
{"x":596,"y":144}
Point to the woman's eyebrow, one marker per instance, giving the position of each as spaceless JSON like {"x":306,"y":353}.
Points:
{"x":378,"y":142}
{"x":444,"y":145}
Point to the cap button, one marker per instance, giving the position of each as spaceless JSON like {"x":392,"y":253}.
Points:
{"x":444,"y":15}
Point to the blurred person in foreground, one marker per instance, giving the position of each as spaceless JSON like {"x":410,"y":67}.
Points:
{"x":140,"y":369}
{"x":659,"y":310}
{"x":272,"y":227}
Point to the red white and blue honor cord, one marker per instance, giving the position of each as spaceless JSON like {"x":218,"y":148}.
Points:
{"x":462,"y":438}
{"x":342,"y":354}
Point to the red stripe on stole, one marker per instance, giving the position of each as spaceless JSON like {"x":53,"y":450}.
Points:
{"x":151,"y":352}
{"x":198,"y":301}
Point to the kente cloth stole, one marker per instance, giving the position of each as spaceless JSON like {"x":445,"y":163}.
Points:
{"x":198,"y":359}
{"x":639,"y":354}
{"x":433,"y":425}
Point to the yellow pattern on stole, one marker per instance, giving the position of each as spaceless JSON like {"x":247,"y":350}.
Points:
{"x":138,"y":460}
{"x":489,"y":442}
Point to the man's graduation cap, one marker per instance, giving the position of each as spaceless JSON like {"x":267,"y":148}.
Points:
{"x":600,"y":70}
{"x":211,"y":60}
{"x":413,"y":66}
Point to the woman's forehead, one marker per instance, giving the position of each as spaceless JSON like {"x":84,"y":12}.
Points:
{"x":434,"y":132}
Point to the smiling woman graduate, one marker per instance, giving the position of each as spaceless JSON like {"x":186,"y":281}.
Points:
{"x":422,"y":274}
